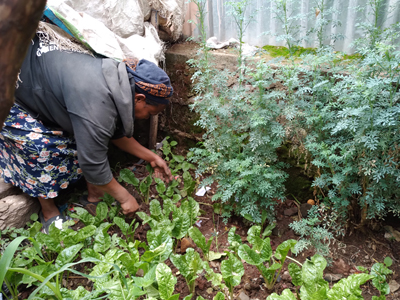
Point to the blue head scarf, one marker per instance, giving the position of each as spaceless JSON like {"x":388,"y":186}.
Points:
{"x":147,"y":78}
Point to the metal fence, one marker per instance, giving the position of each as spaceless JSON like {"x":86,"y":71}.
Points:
{"x":220,"y":23}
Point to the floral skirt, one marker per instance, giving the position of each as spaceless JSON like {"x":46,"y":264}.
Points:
{"x":35,"y":158}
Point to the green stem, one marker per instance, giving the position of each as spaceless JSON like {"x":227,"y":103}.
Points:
{"x":294,"y":260}
{"x":38,"y":277}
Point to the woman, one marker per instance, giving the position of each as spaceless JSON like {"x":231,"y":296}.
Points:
{"x":68,"y":107}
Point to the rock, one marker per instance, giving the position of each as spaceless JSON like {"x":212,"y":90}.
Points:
{"x":391,"y":233}
{"x":243,"y":296}
{"x":278,"y":231}
{"x":333,"y":277}
{"x":7,"y":189}
{"x":16,"y":210}
{"x":215,"y":264}
{"x":394,"y":286}
{"x":286,"y":276}
{"x":304,"y":208}
{"x":341,"y":267}
{"x":290,"y":211}
{"x":186,"y":243}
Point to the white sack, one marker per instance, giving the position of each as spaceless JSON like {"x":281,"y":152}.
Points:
{"x":123,"y":17}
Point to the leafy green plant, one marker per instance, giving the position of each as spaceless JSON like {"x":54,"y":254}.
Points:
{"x":290,"y":24}
{"x":232,"y":271}
{"x":190,"y":265}
{"x":129,"y":177}
{"x":200,"y":240}
{"x":379,"y":271}
{"x":322,"y":15}
{"x":313,"y":285}
{"x":313,"y":233}
{"x":261,"y":252}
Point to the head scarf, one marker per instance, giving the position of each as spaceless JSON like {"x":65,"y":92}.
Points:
{"x":147,"y":78}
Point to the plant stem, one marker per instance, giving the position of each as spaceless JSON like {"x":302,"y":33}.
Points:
{"x":294,"y":260}
{"x":38,"y":277}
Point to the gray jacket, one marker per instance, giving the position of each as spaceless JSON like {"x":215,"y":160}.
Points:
{"x":88,"y":97}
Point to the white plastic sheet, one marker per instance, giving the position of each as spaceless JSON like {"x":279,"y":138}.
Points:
{"x":118,"y":28}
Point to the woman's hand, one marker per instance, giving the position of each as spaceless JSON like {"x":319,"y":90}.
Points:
{"x":130,"y":206}
{"x":161,"y":169}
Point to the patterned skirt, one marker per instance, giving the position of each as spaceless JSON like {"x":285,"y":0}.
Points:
{"x":35,"y":158}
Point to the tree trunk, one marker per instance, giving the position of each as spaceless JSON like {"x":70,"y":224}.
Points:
{"x":18,"y":22}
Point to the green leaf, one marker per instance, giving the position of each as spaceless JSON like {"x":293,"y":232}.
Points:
{"x":174,"y":297}
{"x":388,"y":261}
{"x":166,"y":281}
{"x":173,"y":143}
{"x":83,"y":215}
{"x":188,"y":297}
{"x":295,"y":273}
{"x":149,"y":255}
{"x":129,"y":177}
{"x":314,"y":286}
{"x":286,"y":295}
{"x":283,"y":249}
{"x":34,"y":217}
{"x":67,"y":255}
{"x":198,"y":238}
{"x":35,"y":228}
{"x":249,"y":255}
{"x":349,"y":288}
{"x":39,"y":270}
{"x":49,"y":242}
{"x":160,"y":187}
{"x":6,"y":258}
{"x":379,"y":271}
{"x":214,"y":255}
{"x":191,"y":207}
{"x":232,"y":270}
{"x":102,"y":242}
{"x":121,"y":224}
{"x":181,"y":264}
{"x":181,"y":227}
{"x":145,"y":218}
{"x":233,"y":237}
{"x":155,"y":208}
{"x":148,"y":279}
{"x":219,"y":296}
{"x":186,"y":166}
{"x":156,"y":238}
{"x":268,"y":230}
{"x":253,"y":236}
{"x":176,"y":198}
{"x":101,"y":212}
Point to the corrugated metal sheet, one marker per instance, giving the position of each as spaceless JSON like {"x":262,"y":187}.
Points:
{"x":221,"y":24}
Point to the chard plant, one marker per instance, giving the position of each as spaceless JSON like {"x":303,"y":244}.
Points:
{"x":183,"y":217}
{"x":205,"y":245}
{"x":232,"y":271}
{"x":313,"y":286}
{"x":129,"y":177}
{"x":190,"y":265}
{"x":261,"y":253}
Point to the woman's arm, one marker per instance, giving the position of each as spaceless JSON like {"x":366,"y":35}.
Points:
{"x":131,"y":146}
